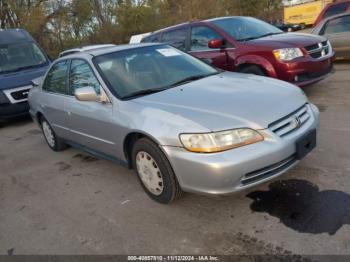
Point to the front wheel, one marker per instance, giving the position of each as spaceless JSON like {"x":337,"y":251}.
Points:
{"x":154,"y":172}
{"x":53,"y":141}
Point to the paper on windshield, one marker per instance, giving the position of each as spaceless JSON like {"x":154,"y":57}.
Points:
{"x":168,"y":52}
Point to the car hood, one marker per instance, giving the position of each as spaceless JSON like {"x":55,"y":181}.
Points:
{"x":21,"y":78}
{"x":229,"y":100}
{"x":286,"y":40}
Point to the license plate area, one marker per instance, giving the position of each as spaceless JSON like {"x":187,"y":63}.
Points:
{"x":305,"y":144}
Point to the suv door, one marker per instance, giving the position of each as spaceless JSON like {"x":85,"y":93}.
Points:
{"x":200,"y":36}
{"x":90,"y":122}
{"x":337,"y":31}
{"x":54,"y":93}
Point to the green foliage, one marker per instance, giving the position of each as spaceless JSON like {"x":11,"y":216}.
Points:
{"x":62,"y":24}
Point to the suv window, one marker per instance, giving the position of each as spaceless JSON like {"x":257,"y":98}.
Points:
{"x":200,"y":36}
{"x":81,"y":75}
{"x":56,"y":78}
{"x":336,"y":9}
{"x":176,"y":38}
{"x":338,"y":25}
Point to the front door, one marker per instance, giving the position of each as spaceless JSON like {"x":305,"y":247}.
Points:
{"x":90,"y":122}
{"x":200,"y":36}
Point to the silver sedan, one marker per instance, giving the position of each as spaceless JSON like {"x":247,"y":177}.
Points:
{"x":181,"y":124}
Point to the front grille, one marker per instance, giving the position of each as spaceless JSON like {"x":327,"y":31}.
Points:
{"x":291,"y":122}
{"x":318,"y":50}
{"x":268,"y":171}
{"x":19,"y":95}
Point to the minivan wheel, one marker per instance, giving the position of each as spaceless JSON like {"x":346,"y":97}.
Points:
{"x":54,"y":142}
{"x":256,"y":70}
{"x":154,"y":172}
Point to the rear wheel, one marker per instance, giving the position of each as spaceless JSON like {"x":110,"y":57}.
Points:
{"x":154,"y":172}
{"x":53,"y":141}
{"x":253,"y":69}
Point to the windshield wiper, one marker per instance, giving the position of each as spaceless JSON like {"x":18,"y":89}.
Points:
{"x":144,"y":92}
{"x":191,"y":78}
{"x":257,"y":37}
{"x":22,"y":68}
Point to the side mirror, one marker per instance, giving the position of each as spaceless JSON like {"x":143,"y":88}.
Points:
{"x":37,"y":81}
{"x":86,"y":94}
{"x":216,"y":43}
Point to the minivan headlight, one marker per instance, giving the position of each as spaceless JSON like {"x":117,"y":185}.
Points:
{"x":220,"y":141}
{"x":287,"y":54}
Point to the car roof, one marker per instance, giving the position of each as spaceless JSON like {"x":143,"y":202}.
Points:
{"x":83,"y":49}
{"x":195,"y":21}
{"x":10,"y":36}
{"x":105,"y":50}
{"x":334,"y":16}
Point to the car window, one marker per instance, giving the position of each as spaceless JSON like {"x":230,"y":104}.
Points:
{"x":55,"y":80}
{"x":245,"y":28}
{"x":200,"y":36}
{"x":151,"y":39}
{"x":81,"y":75}
{"x":336,"y":9}
{"x":337,"y":25}
{"x":176,"y":38}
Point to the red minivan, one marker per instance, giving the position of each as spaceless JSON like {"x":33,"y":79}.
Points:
{"x":249,"y":45}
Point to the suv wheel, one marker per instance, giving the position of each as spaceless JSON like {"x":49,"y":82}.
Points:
{"x":54,"y":142}
{"x":154,"y":172}
{"x":255,"y":70}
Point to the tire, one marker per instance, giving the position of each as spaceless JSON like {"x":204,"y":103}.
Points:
{"x":52,"y":140}
{"x":154,"y":172}
{"x":255,"y":70}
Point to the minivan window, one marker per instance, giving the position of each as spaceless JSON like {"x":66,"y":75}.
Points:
{"x":200,"y":36}
{"x":19,"y":56}
{"x":176,"y":38}
{"x":81,"y":75}
{"x":338,"y":25}
{"x":151,"y":39}
{"x":336,"y":9}
{"x":55,"y":81}
{"x":246,"y":28}
{"x":148,"y":69}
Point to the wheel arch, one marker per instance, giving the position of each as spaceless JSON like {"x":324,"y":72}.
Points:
{"x":254,"y":60}
{"x":129,"y":142}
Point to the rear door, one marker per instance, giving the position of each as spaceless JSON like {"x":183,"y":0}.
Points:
{"x":176,"y":38}
{"x":199,"y":38}
{"x":90,"y":122}
{"x":337,"y":31}
{"x":53,"y":97}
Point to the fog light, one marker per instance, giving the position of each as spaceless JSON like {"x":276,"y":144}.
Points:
{"x":296,"y":78}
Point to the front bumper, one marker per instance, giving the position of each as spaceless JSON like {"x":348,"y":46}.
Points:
{"x":10,"y":111}
{"x":227,"y":172}
{"x":306,"y":71}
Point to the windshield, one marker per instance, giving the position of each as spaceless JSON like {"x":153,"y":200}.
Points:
{"x":246,"y":28}
{"x":141,"y":71}
{"x":15,"y":57}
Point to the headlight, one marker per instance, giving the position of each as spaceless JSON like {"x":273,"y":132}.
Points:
{"x":220,"y":141}
{"x":287,"y":54}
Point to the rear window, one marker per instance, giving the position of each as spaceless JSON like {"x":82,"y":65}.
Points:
{"x":336,"y":9}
